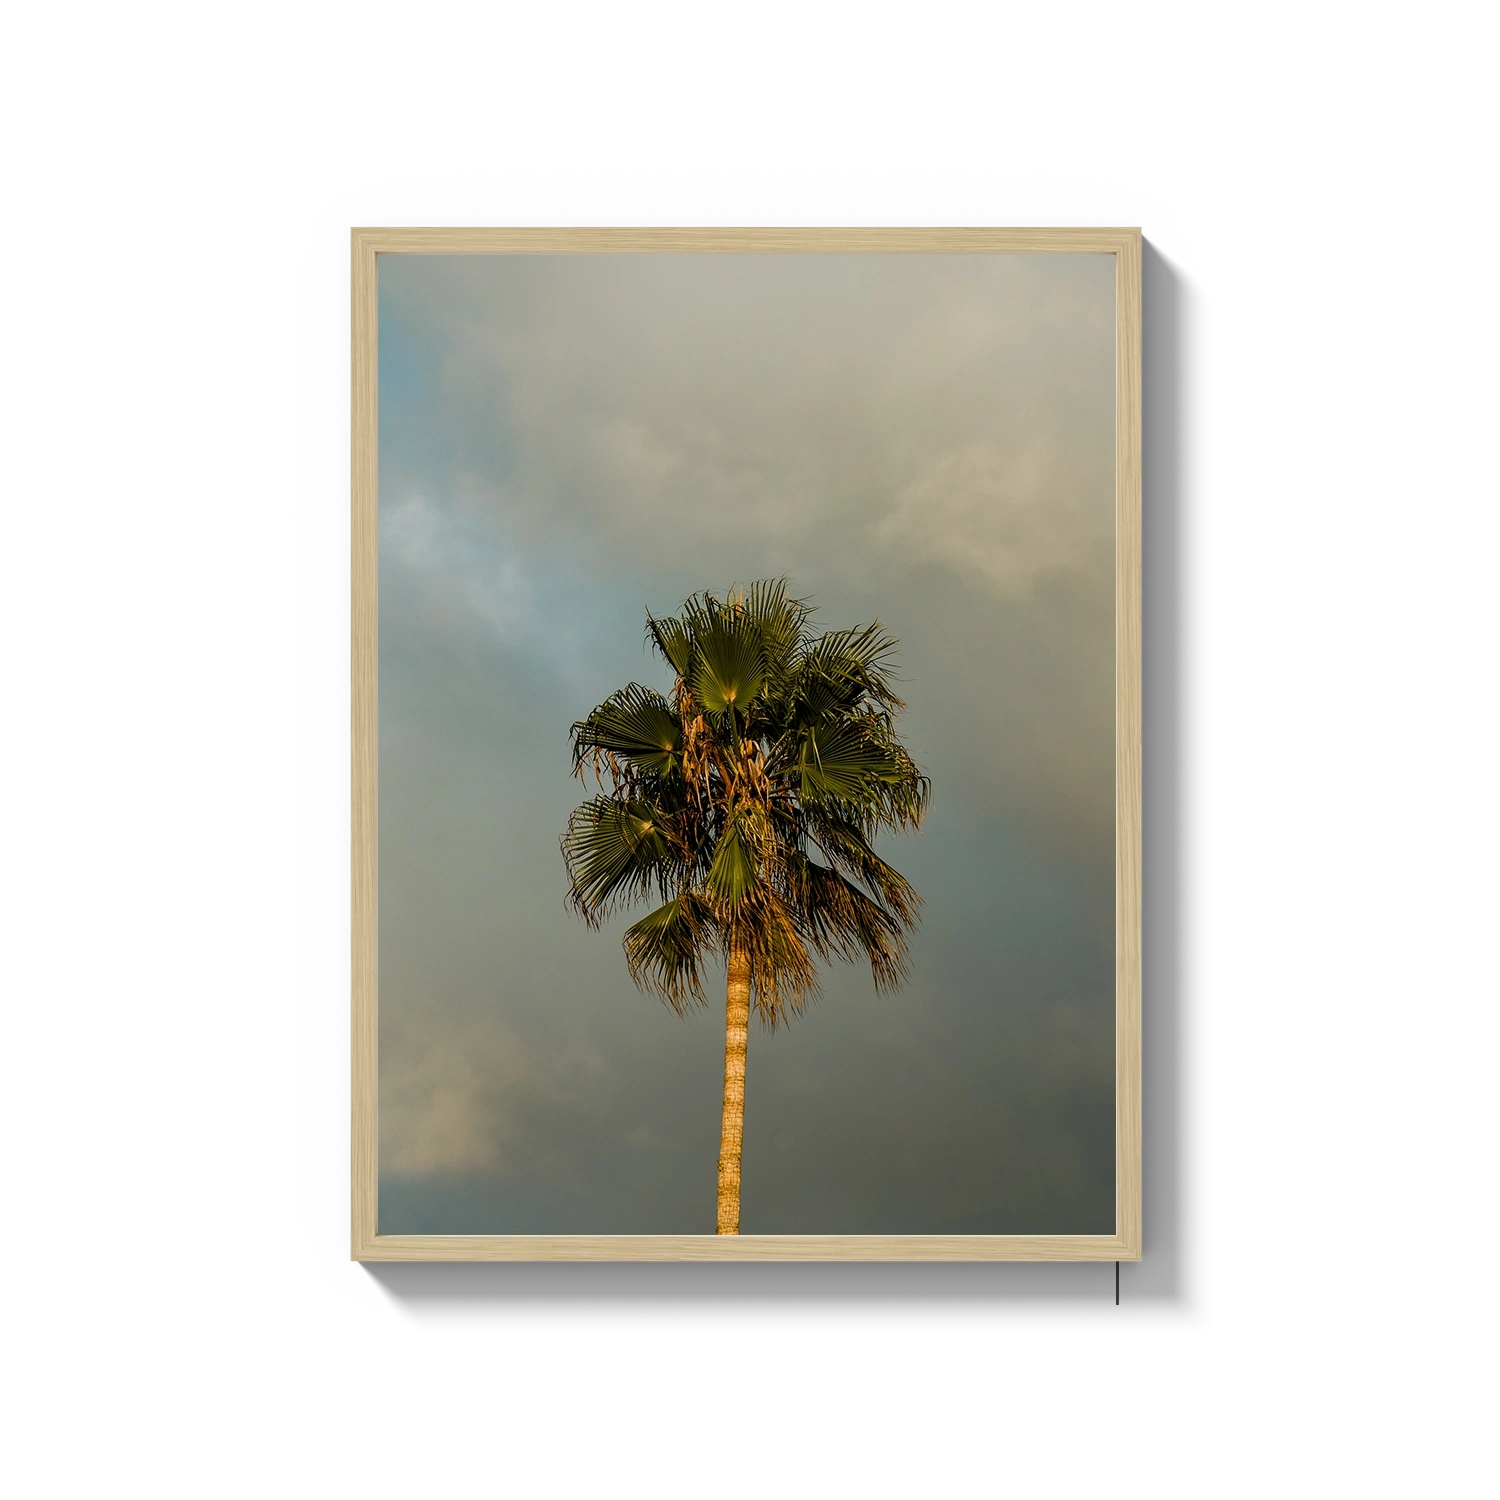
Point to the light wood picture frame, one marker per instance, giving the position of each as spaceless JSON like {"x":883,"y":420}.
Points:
{"x":368,"y":243}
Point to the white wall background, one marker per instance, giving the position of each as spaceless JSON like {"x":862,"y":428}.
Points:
{"x":1315,"y":1313}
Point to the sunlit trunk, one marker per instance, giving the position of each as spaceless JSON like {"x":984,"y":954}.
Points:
{"x":732,"y":1131}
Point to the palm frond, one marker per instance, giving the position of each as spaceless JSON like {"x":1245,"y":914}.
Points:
{"x":615,"y":852}
{"x":860,"y":656}
{"x":814,"y":697}
{"x":908,"y":795}
{"x":860,"y":646}
{"x":637,"y":723}
{"x":728,"y":664}
{"x":848,"y":851}
{"x":702,"y":612}
{"x":672,"y":641}
{"x":665,"y":949}
{"x":844,"y":762}
{"x":732,"y":872}
{"x":843,"y":922}
{"x":782,"y":622}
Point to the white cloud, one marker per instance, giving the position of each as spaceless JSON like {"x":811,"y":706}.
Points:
{"x":458,"y":1097}
{"x":1004,"y":515}
{"x":439,"y":1111}
{"x":458,"y":564}
{"x":437,"y":543}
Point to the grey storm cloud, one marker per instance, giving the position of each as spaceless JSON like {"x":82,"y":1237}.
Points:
{"x":567,"y":441}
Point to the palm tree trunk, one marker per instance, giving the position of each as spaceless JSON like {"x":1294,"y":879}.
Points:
{"x":732,"y":1131}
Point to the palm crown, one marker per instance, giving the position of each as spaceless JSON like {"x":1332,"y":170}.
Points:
{"x":747,"y":801}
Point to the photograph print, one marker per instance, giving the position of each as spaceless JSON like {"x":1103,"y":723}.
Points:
{"x":746,"y":744}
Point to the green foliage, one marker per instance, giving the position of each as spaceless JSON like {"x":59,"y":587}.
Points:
{"x":636,"y":723}
{"x":748,"y":801}
{"x":728,"y":666}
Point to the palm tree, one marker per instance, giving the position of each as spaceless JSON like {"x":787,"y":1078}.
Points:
{"x":747,"y":802}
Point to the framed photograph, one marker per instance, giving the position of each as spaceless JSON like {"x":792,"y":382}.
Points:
{"x":746,"y":744}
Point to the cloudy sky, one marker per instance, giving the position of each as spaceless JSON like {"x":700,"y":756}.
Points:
{"x":567,"y":441}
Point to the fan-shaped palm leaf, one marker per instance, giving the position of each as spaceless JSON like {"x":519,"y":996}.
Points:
{"x":782,"y":623}
{"x":614,"y":852}
{"x":860,"y":656}
{"x":637,"y":723}
{"x":846,"y":763}
{"x":847,"y":849}
{"x":843,"y":922}
{"x":728,"y":664}
{"x":672,"y":640}
{"x":665,"y":949}
{"x":732,"y":873}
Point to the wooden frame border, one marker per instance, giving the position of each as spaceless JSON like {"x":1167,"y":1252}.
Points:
{"x":1125,"y":1243}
